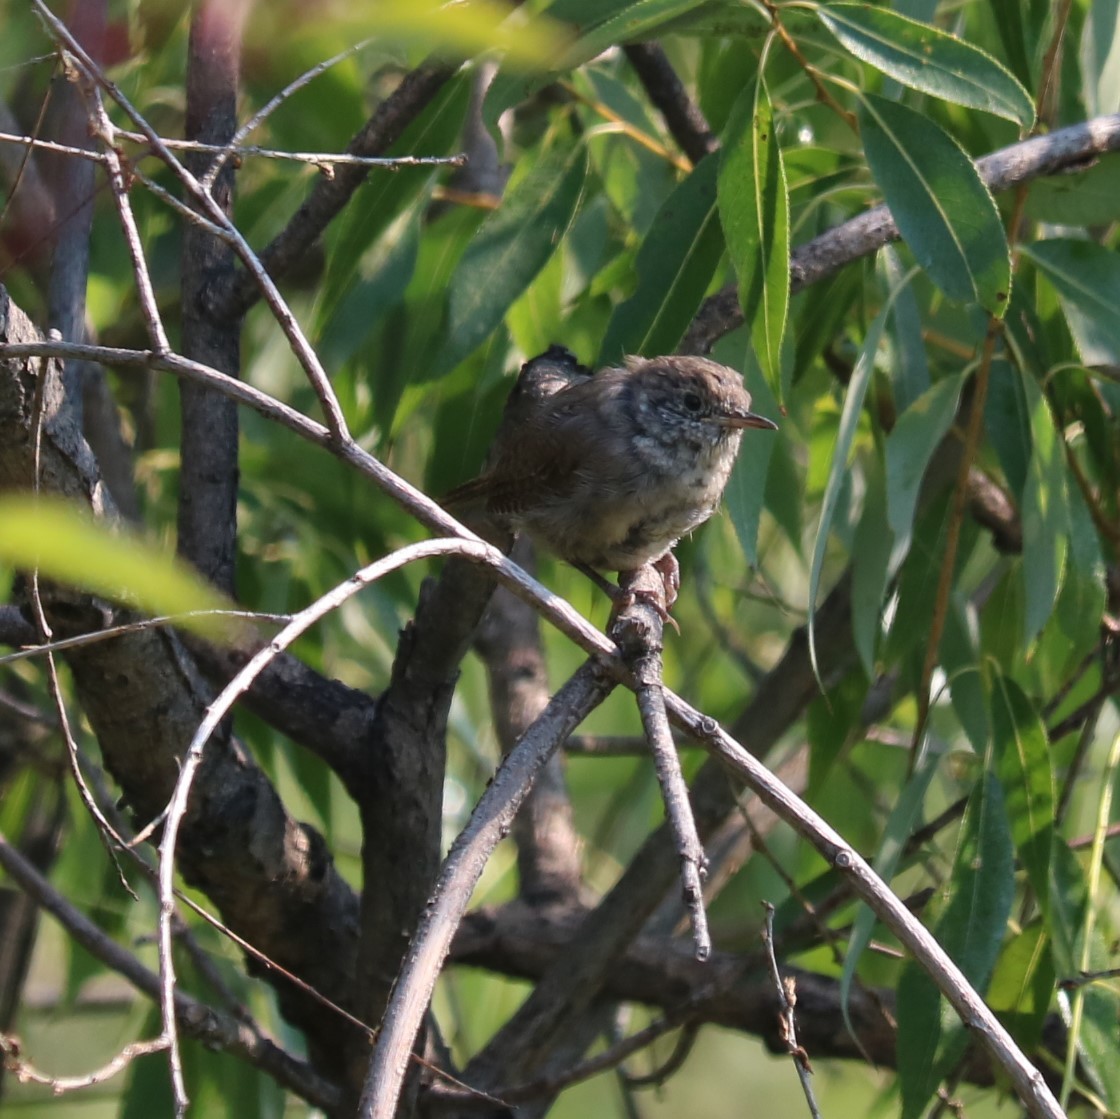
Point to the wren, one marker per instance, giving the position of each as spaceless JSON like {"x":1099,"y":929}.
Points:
{"x":608,"y":471}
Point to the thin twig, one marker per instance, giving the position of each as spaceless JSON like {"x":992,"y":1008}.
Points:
{"x":26,"y":1073}
{"x":118,"y":184}
{"x":322,"y":160}
{"x":787,"y":1029}
{"x":638,"y":633}
{"x":125,"y":628}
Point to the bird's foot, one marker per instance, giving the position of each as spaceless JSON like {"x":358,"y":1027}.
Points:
{"x":659,"y":599}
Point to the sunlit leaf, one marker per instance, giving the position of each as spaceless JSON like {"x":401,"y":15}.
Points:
{"x":1022,"y":984}
{"x":1100,"y":58}
{"x":68,"y":547}
{"x":838,"y":469}
{"x":929,"y":60}
{"x":467,"y":29}
{"x":754,"y":210}
{"x":944,"y":211}
{"x":1086,"y":277}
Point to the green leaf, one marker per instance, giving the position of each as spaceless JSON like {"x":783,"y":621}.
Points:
{"x":871,"y":553}
{"x":929,"y":60}
{"x":910,"y":369}
{"x":900,"y":826}
{"x":387,"y":194}
{"x":1086,"y":277}
{"x":1022,"y":984}
{"x":746,"y":488}
{"x":1089,"y":197}
{"x":512,"y":245}
{"x":626,"y":24}
{"x":1045,"y":513}
{"x":941,"y":206}
{"x":931,"y":1038}
{"x":382,"y":276}
{"x":1096,"y":1040}
{"x":1022,"y":761}
{"x":754,"y":210}
{"x":1012,"y":29}
{"x":1100,"y":58}
{"x":69,"y":547}
{"x":1008,"y":424}
{"x":909,"y":448}
{"x":838,"y":469}
{"x":675,"y":265}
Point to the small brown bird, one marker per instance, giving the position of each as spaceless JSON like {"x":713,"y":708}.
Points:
{"x":609,"y":471}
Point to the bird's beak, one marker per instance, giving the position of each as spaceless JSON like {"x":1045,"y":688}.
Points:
{"x":748,"y":419}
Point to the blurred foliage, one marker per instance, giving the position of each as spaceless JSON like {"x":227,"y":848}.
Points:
{"x":425,"y":297}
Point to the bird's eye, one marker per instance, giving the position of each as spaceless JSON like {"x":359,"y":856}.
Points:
{"x":692,"y":401}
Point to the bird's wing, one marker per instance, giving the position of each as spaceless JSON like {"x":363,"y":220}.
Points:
{"x":542,"y":460}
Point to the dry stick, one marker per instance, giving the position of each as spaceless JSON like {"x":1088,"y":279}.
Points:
{"x":316,"y":159}
{"x":304,"y":353}
{"x":638,"y":632}
{"x":118,"y":184}
{"x":26,"y":1073}
{"x":214,"y":1028}
{"x":489,"y":824}
{"x":787,"y":999}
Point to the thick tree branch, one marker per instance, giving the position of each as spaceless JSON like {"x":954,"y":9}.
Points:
{"x":208,"y":446}
{"x":682,"y":115}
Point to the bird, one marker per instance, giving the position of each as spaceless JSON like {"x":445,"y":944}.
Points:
{"x":609,"y":470}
